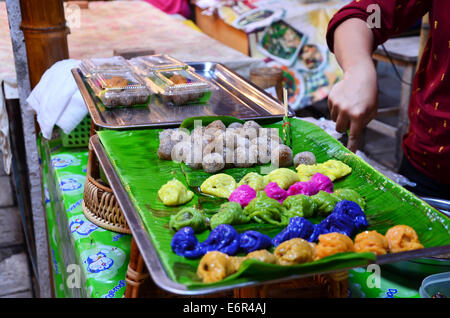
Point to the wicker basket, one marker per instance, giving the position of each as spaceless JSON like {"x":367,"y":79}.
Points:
{"x":99,"y":202}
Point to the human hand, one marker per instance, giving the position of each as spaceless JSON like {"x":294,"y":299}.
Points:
{"x":353,"y":101}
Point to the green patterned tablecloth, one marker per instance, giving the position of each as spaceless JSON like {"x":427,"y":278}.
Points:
{"x":88,"y":261}
{"x":362,"y":284}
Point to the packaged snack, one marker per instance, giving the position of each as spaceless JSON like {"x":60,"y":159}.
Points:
{"x":159,"y":62}
{"x":180,"y":86}
{"x":90,"y":67}
{"x":119,"y":89}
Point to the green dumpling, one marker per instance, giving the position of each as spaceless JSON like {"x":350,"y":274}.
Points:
{"x":229,"y":213}
{"x":325,"y":202}
{"x":189,"y":217}
{"x":263,"y":209}
{"x":350,"y":195}
{"x":299,"y":205}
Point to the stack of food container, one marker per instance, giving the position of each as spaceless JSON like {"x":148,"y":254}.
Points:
{"x":172,"y":80}
{"x":118,"y":82}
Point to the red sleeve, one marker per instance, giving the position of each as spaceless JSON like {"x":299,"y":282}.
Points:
{"x":395,"y":17}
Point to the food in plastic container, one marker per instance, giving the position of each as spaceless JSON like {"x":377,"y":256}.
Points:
{"x":119,"y":89}
{"x":180,"y":86}
{"x":158,"y":62}
{"x":90,"y":67}
{"x":436,"y":286}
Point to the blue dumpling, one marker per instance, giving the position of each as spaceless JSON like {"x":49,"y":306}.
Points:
{"x":253,"y":240}
{"x":298,"y":227}
{"x":354,"y":211}
{"x":340,"y":223}
{"x":186,"y":244}
{"x":224,"y":238}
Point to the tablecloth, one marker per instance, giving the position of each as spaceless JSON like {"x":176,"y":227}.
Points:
{"x":87,"y":260}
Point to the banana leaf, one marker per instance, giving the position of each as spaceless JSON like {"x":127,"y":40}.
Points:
{"x":133,"y":155}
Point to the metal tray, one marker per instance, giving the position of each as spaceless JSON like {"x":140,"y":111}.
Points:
{"x":235,"y":97}
{"x":154,"y":265}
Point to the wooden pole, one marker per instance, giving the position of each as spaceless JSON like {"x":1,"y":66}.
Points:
{"x":45,"y":32}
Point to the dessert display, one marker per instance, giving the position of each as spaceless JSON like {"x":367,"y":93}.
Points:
{"x":216,"y":147}
{"x":310,"y":218}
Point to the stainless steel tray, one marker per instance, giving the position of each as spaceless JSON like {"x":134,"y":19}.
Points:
{"x":150,"y":254}
{"x":235,"y":97}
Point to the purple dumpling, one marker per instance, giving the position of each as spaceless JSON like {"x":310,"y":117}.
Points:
{"x":322,"y":182}
{"x":305,"y":188}
{"x":243,"y":195}
{"x":275,"y":192}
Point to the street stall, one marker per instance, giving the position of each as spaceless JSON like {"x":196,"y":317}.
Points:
{"x":182,"y":221}
{"x":187,"y":179}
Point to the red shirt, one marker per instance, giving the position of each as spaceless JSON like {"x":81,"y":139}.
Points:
{"x":427,"y":142}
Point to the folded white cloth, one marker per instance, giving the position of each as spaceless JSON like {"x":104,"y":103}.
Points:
{"x":56,"y":99}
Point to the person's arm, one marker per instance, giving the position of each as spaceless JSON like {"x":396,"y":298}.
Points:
{"x":353,"y":100}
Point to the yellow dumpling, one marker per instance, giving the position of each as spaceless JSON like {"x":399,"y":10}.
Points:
{"x":284,"y":177}
{"x":175,"y":193}
{"x":254,"y":181}
{"x":333,"y":169}
{"x":221,"y":185}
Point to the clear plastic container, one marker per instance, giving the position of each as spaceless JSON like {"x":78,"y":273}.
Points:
{"x":180,"y":86}
{"x":90,"y":67}
{"x":436,"y":286}
{"x":160,"y":62}
{"x":119,"y":90}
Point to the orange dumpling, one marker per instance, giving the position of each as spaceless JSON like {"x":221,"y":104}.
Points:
{"x":214,"y":266}
{"x":371,"y":241}
{"x":333,"y":243}
{"x":295,"y":251}
{"x":402,"y":238}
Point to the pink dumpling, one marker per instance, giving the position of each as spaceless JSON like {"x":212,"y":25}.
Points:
{"x":275,"y":192}
{"x":306,"y":188}
{"x":322,"y":182}
{"x":243,"y":195}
